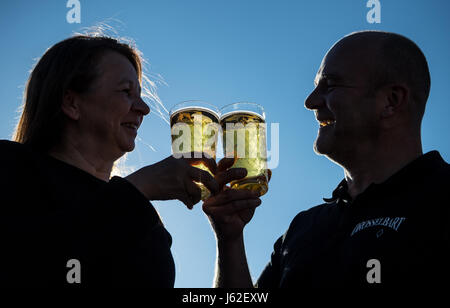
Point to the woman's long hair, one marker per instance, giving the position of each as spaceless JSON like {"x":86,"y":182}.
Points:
{"x":71,"y":64}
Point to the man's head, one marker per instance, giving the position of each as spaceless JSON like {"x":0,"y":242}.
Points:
{"x":369,"y":85}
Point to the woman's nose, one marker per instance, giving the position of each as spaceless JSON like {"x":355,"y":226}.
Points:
{"x":141,"y":106}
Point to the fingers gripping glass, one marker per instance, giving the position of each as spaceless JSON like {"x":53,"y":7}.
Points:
{"x":244,"y":139}
{"x":194,"y":128}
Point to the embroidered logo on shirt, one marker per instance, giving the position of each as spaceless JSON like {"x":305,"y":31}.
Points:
{"x":390,"y":222}
{"x":380,"y":233}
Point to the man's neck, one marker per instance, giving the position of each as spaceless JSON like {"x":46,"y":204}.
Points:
{"x":376,"y":166}
{"x":83,"y":159}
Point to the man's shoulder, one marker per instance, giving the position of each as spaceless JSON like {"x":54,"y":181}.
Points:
{"x":445,"y":167}
{"x":438,"y":173}
{"x":306,"y":220}
{"x":314,"y":211}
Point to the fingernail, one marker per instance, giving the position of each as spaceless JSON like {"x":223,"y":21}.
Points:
{"x":256,"y":201}
{"x":241,"y":172}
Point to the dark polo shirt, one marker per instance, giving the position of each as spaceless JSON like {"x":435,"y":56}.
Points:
{"x":52,"y":213}
{"x":393,"y":234}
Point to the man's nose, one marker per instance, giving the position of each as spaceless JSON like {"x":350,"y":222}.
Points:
{"x":314,"y":100}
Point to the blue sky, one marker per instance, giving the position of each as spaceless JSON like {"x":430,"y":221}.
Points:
{"x":227,"y":51}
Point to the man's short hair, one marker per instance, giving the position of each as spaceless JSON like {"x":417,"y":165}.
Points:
{"x":400,"y":60}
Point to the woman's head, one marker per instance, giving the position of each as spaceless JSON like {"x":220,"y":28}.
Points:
{"x":86,"y":88}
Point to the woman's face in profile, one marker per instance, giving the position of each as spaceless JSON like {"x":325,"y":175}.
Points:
{"x":112,"y":111}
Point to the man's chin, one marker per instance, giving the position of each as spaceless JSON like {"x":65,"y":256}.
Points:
{"x":321,"y":149}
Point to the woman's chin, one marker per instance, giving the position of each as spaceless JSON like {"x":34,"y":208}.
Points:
{"x":127,"y":146}
{"x":130,"y":147}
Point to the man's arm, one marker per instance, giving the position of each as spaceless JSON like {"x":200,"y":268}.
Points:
{"x":229,"y":211}
{"x":231,"y":265}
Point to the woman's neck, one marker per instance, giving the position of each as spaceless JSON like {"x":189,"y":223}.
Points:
{"x":85,"y":160}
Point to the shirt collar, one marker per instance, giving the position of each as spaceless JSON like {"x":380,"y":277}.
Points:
{"x":414,"y":170}
{"x":340,"y":193}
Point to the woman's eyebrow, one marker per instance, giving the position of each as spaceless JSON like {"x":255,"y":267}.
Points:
{"x":125,"y":80}
{"x":131,"y":83}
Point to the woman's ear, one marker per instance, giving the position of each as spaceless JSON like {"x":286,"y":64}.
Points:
{"x":70,"y":105}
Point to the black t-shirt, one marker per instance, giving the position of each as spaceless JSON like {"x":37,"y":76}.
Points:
{"x":52,"y":212}
{"x":393,"y":234}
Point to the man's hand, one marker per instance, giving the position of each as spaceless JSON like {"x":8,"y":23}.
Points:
{"x":230,"y":210}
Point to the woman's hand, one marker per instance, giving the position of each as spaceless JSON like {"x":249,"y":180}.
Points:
{"x":173,"y":178}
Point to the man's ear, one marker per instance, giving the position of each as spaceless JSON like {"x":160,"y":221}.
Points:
{"x":70,"y":105}
{"x":396,"y":97}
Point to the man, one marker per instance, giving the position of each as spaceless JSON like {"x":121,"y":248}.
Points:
{"x":387,"y":222}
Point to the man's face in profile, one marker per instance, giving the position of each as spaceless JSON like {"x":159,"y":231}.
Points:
{"x":343,"y":100}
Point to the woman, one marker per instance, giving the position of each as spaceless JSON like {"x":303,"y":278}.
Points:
{"x":82,"y":111}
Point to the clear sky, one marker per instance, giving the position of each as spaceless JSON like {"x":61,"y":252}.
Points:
{"x":227,"y":51}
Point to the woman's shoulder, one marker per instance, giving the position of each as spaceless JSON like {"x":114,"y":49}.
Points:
{"x":12,"y":148}
{"x":9,"y":144}
{"x":14,"y":154}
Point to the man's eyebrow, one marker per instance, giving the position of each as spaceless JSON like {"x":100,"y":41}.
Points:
{"x":327,"y":76}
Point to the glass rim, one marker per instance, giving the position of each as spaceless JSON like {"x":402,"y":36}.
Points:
{"x":260,"y":112}
{"x":197,"y":104}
